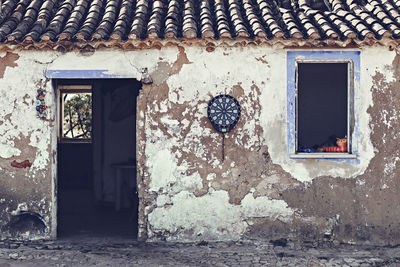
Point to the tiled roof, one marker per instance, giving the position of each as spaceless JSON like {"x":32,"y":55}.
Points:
{"x":55,"y":21}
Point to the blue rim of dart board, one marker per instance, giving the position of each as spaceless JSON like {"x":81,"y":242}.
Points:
{"x":223,"y":112}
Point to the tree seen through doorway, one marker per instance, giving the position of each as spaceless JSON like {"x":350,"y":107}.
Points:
{"x":77,"y":123}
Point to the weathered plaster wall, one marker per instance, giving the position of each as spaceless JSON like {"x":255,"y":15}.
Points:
{"x":258,"y":191}
{"x":365,"y":207}
{"x":27,"y":146}
{"x":186,"y":191}
{"x":196,"y":195}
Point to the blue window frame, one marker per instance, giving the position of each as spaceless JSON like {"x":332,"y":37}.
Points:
{"x":351,"y":59}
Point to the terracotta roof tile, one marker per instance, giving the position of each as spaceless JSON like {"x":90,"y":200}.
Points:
{"x":107,"y":22}
{"x":93,"y":17}
{"x":206,"y":21}
{"x":102,"y":20}
{"x":156,"y":21}
{"x":75,"y":20}
{"x":189,"y":23}
{"x":140,"y":19}
{"x":172,"y":20}
{"x":124,"y":20}
{"x":43,"y":18}
{"x":255,"y":21}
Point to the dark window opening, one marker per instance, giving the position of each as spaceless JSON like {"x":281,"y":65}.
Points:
{"x":322,"y":106}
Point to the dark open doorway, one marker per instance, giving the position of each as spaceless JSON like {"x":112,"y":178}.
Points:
{"x":97,"y":193}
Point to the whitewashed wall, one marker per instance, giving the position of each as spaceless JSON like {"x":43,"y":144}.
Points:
{"x":186,"y":191}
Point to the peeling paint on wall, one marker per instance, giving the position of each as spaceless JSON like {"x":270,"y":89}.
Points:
{"x":257,"y":163}
{"x":224,"y":221}
{"x":8,"y":151}
{"x":186,"y":192}
{"x":25,"y":148}
{"x":8,"y":60}
{"x":185,"y":131}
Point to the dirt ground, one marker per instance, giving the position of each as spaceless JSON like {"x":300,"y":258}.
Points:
{"x":124,"y":252}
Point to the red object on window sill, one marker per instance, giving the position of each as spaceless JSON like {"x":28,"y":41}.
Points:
{"x":342,"y":146}
{"x":334,"y":149}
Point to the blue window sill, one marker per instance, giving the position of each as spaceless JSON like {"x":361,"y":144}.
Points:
{"x":323,"y":156}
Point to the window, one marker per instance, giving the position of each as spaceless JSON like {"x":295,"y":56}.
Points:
{"x":321,"y":104}
{"x":75,"y":116}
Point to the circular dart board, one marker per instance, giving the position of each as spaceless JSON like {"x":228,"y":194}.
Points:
{"x":223,"y":112}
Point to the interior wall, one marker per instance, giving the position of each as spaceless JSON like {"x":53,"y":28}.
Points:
{"x":119,"y":132}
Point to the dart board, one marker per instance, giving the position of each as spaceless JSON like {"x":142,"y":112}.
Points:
{"x":223,"y":112}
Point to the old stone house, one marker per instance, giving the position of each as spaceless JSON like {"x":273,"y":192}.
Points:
{"x":304,"y":72}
